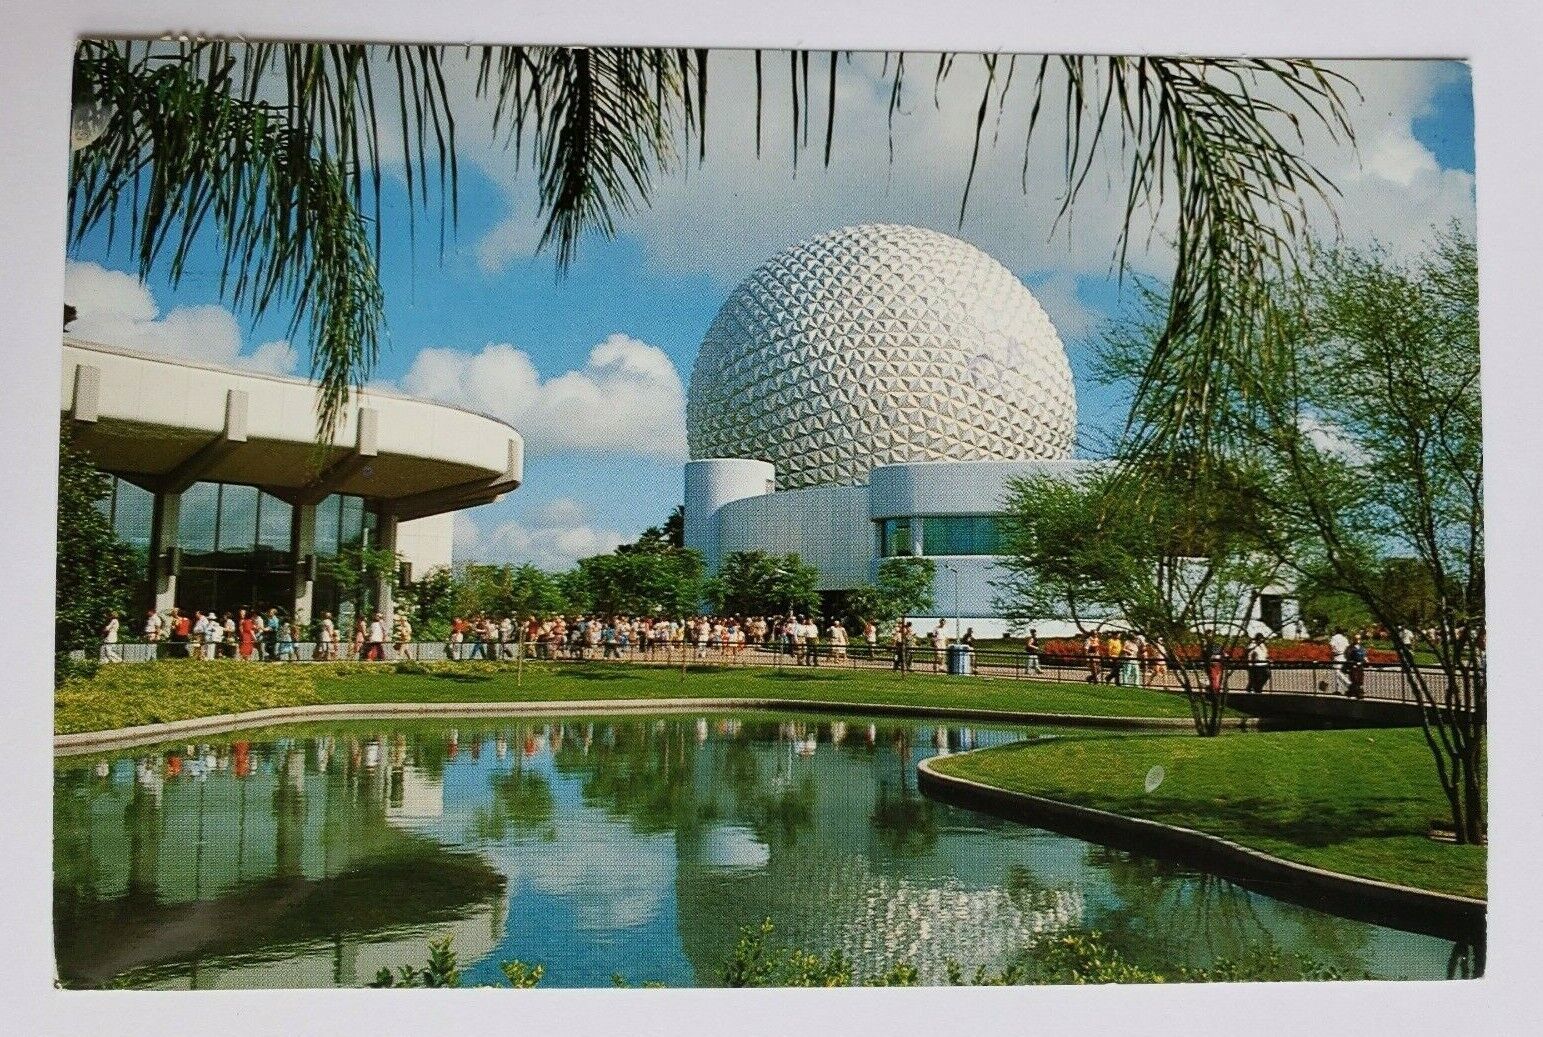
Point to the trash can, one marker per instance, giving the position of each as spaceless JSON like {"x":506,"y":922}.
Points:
{"x":959,"y":660}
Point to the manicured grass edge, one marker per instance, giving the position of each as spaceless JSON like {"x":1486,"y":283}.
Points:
{"x":91,"y":741}
{"x":1444,"y":915}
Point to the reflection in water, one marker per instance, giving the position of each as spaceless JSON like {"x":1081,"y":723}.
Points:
{"x":597,"y":846}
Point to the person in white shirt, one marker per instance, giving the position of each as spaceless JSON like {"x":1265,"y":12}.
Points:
{"x":838,"y":640}
{"x":374,"y":648}
{"x":111,"y":653}
{"x":1338,"y":645}
{"x":214,"y":633}
{"x":153,"y":626}
{"x":939,"y":644}
{"x":328,"y":638}
{"x":1258,"y":665}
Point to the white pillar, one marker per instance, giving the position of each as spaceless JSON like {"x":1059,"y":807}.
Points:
{"x":302,"y":549}
{"x":385,"y":533}
{"x":164,"y":516}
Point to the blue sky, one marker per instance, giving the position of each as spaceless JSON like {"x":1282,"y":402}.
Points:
{"x":653,"y":290}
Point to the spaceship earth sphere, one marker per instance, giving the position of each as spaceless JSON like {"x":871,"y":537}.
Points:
{"x":874,"y":345}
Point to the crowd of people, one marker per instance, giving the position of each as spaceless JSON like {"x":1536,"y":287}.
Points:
{"x":1122,"y":658}
{"x":800,"y":637}
{"x":252,"y":635}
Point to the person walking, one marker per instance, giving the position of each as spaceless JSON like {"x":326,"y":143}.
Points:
{"x":1214,"y":671}
{"x":1355,"y":666}
{"x":214,"y":633}
{"x":1130,"y":663}
{"x":1258,"y":665}
{"x":870,"y":638}
{"x":177,"y":627}
{"x":811,"y":642}
{"x":246,"y":634}
{"x":939,"y":645}
{"x":1114,"y":648}
{"x":1031,"y":652}
{"x":111,"y":653}
{"x":1092,"y":650}
{"x":327,"y":638}
{"x":375,"y":643}
{"x":838,"y":641}
{"x":271,"y":635}
{"x":403,"y":637}
{"x":153,"y":628}
{"x":1338,"y":645}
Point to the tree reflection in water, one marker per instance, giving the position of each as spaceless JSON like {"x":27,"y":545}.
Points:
{"x":593,"y":844}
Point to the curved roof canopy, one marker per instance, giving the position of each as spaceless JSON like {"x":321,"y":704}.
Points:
{"x":164,"y":423}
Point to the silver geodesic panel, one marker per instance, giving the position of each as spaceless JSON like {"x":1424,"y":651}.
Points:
{"x":874,"y":345}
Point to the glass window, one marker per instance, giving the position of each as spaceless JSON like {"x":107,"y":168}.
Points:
{"x":351,"y":526}
{"x":962,"y":535}
{"x":328,"y":513}
{"x":238,"y":517}
{"x":133,"y":511}
{"x":273,"y":523}
{"x":198,"y":517}
{"x":894,"y":537}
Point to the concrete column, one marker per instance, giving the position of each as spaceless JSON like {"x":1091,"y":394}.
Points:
{"x":385,"y":540}
{"x":916,"y":536}
{"x":164,"y":516}
{"x":302,"y":546}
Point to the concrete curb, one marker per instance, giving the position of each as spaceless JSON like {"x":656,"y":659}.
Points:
{"x":1443,"y":915}
{"x":90,"y":741}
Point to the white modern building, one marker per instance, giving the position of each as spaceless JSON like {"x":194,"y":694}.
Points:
{"x":219,"y":482}
{"x":871,"y":393}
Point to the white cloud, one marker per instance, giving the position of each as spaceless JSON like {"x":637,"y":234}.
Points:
{"x":736,"y":209}
{"x":554,"y":537}
{"x":115,"y":308}
{"x":627,"y":398}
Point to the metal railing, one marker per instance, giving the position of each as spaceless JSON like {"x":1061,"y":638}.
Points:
{"x":1379,"y":681}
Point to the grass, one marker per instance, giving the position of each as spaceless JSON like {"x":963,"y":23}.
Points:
{"x":1352,"y":801}
{"x":129,"y":695}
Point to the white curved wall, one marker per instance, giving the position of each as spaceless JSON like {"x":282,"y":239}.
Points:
{"x":711,"y":484}
{"x":954,"y":487}
{"x":827,"y":526}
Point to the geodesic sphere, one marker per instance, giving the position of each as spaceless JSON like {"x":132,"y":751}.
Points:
{"x":874,"y":345}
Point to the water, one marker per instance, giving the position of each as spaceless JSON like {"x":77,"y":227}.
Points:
{"x":632,"y":846}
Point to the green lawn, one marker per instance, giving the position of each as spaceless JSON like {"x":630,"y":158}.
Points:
{"x":128,"y":695}
{"x":1352,"y":801}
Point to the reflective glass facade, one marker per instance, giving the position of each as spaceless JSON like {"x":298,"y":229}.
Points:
{"x":962,"y":535}
{"x":943,"y":535}
{"x":341,"y":523}
{"x":233,"y":554}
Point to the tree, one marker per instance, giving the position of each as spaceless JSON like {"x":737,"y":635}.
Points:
{"x":669,"y":537}
{"x":278,"y":146}
{"x":754,"y":583}
{"x":506,"y":590}
{"x":94,"y":570}
{"x":359,"y":570}
{"x":1365,"y":406}
{"x":430,"y":603}
{"x":1167,"y":559}
{"x":904,"y":587}
{"x":637,"y":583}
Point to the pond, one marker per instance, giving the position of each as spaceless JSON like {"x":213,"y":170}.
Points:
{"x":600,"y":846}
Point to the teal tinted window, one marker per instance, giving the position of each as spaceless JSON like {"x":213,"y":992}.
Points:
{"x":894,"y":537}
{"x":328,"y":513}
{"x":962,"y":535}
